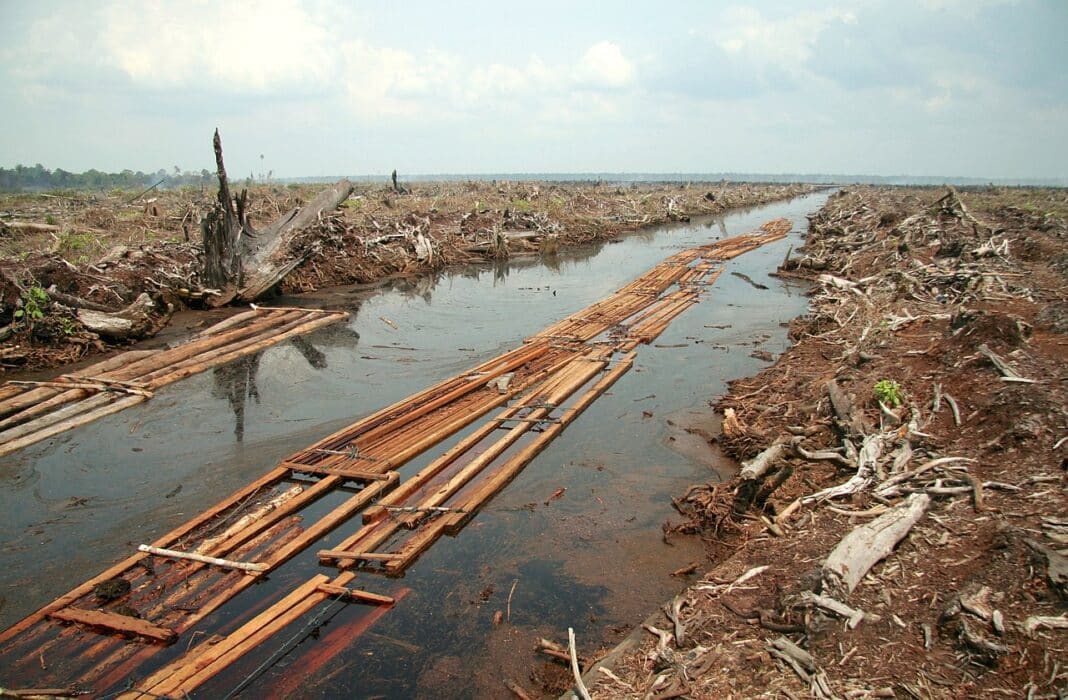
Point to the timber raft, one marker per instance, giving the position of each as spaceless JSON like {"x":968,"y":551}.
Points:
{"x":35,"y":411}
{"x":114,"y":633}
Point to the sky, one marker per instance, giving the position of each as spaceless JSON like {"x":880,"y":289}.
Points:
{"x":974,"y":88}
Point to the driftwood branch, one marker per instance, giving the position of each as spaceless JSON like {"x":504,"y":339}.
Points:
{"x":580,"y":686}
{"x":868,"y":544}
{"x":214,"y":561}
{"x":75,"y":302}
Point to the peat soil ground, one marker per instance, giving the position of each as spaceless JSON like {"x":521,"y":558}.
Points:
{"x":933,"y":361}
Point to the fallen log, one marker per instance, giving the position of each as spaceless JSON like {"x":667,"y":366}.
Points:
{"x":135,"y":321}
{"x":75,"y":302}
{"x":868,"y":544}
{"x":751,"y":477}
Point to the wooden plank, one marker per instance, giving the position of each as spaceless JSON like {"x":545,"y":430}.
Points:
{"x":269,"y":479}
{"x":62,"y":421}
{"x":355,"y":594}
{"x":198,"y":346}
{"x":334,"y":641}
{"x":488,"y":488}
{"x":235,"y":320}
{"x":369,"y":556}
{"x":116,"y":623}
{"x":225,"y":354}
{"x":335,"y":518}
{"x":294,"y":504}
{"x":401,"y":409}
{"x":171,"y":677}
{"x":333,"y":470}
{"x":417,"y":481}
{"x":15,"y":399}
{"x":572,"y":379}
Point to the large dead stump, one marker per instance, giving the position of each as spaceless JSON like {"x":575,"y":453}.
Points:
{"x":224,"y":229}
{"x":241,"y":263}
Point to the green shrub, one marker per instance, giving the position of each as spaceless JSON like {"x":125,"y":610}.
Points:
{"x":888,"y":392}
{"x":34,"y":303}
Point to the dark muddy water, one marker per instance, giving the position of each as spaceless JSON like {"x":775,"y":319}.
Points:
{"x":593,"y":559}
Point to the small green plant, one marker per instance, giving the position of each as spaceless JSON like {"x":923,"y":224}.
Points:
{"x":67,"y":326}
{"x":521,"y":205}
{"x":33,"y":305}
{"x":50,"y":220}
{"x":76,"y":245}
{"x":888,"y":392}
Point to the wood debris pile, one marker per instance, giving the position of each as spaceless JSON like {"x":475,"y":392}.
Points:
{"x":64,"y":253}
{"x":903,"y":485}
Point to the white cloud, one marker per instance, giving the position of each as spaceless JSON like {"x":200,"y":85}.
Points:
{"x":385,"y":82}
{"x":389,"y":83}
{"x":240,"y":46}
{"x":784,"y":43}
{"x":604,"y":65}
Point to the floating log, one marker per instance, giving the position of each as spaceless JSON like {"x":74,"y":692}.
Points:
{"x":35,"y":413}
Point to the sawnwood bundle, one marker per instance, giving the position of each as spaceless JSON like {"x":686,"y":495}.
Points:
{"x":537,"y":390}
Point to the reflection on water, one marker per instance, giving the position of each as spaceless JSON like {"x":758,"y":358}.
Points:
{"x":315,"y":357}
{"x":236,"y":382}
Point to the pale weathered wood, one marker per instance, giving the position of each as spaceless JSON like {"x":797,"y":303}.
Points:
{"x":867,"y":544}
{"x":757,"y":467}
{"x":193,"y":556}
{"x":273,"y":257}
{"x":132,"y":322}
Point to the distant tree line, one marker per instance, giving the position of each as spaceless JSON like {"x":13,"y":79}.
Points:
{"x":36,"y":178}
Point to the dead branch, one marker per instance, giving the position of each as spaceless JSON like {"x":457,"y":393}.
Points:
{"x":868,"y":544}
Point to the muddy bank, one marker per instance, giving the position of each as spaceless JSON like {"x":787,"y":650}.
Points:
{"x":66,"y":251}
{"x":927,"y":377}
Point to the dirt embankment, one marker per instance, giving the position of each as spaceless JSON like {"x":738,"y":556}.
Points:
{"x":927,"y":382}
{"x":61,"y":251}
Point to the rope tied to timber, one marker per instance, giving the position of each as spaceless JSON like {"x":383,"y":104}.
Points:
{"x":290,"y":644}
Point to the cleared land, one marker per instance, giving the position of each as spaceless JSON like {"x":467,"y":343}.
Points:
{"x":918,"y":427}
{"x":65,"y":252}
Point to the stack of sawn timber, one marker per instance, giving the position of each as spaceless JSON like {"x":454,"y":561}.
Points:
{"x":550,"y":379}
